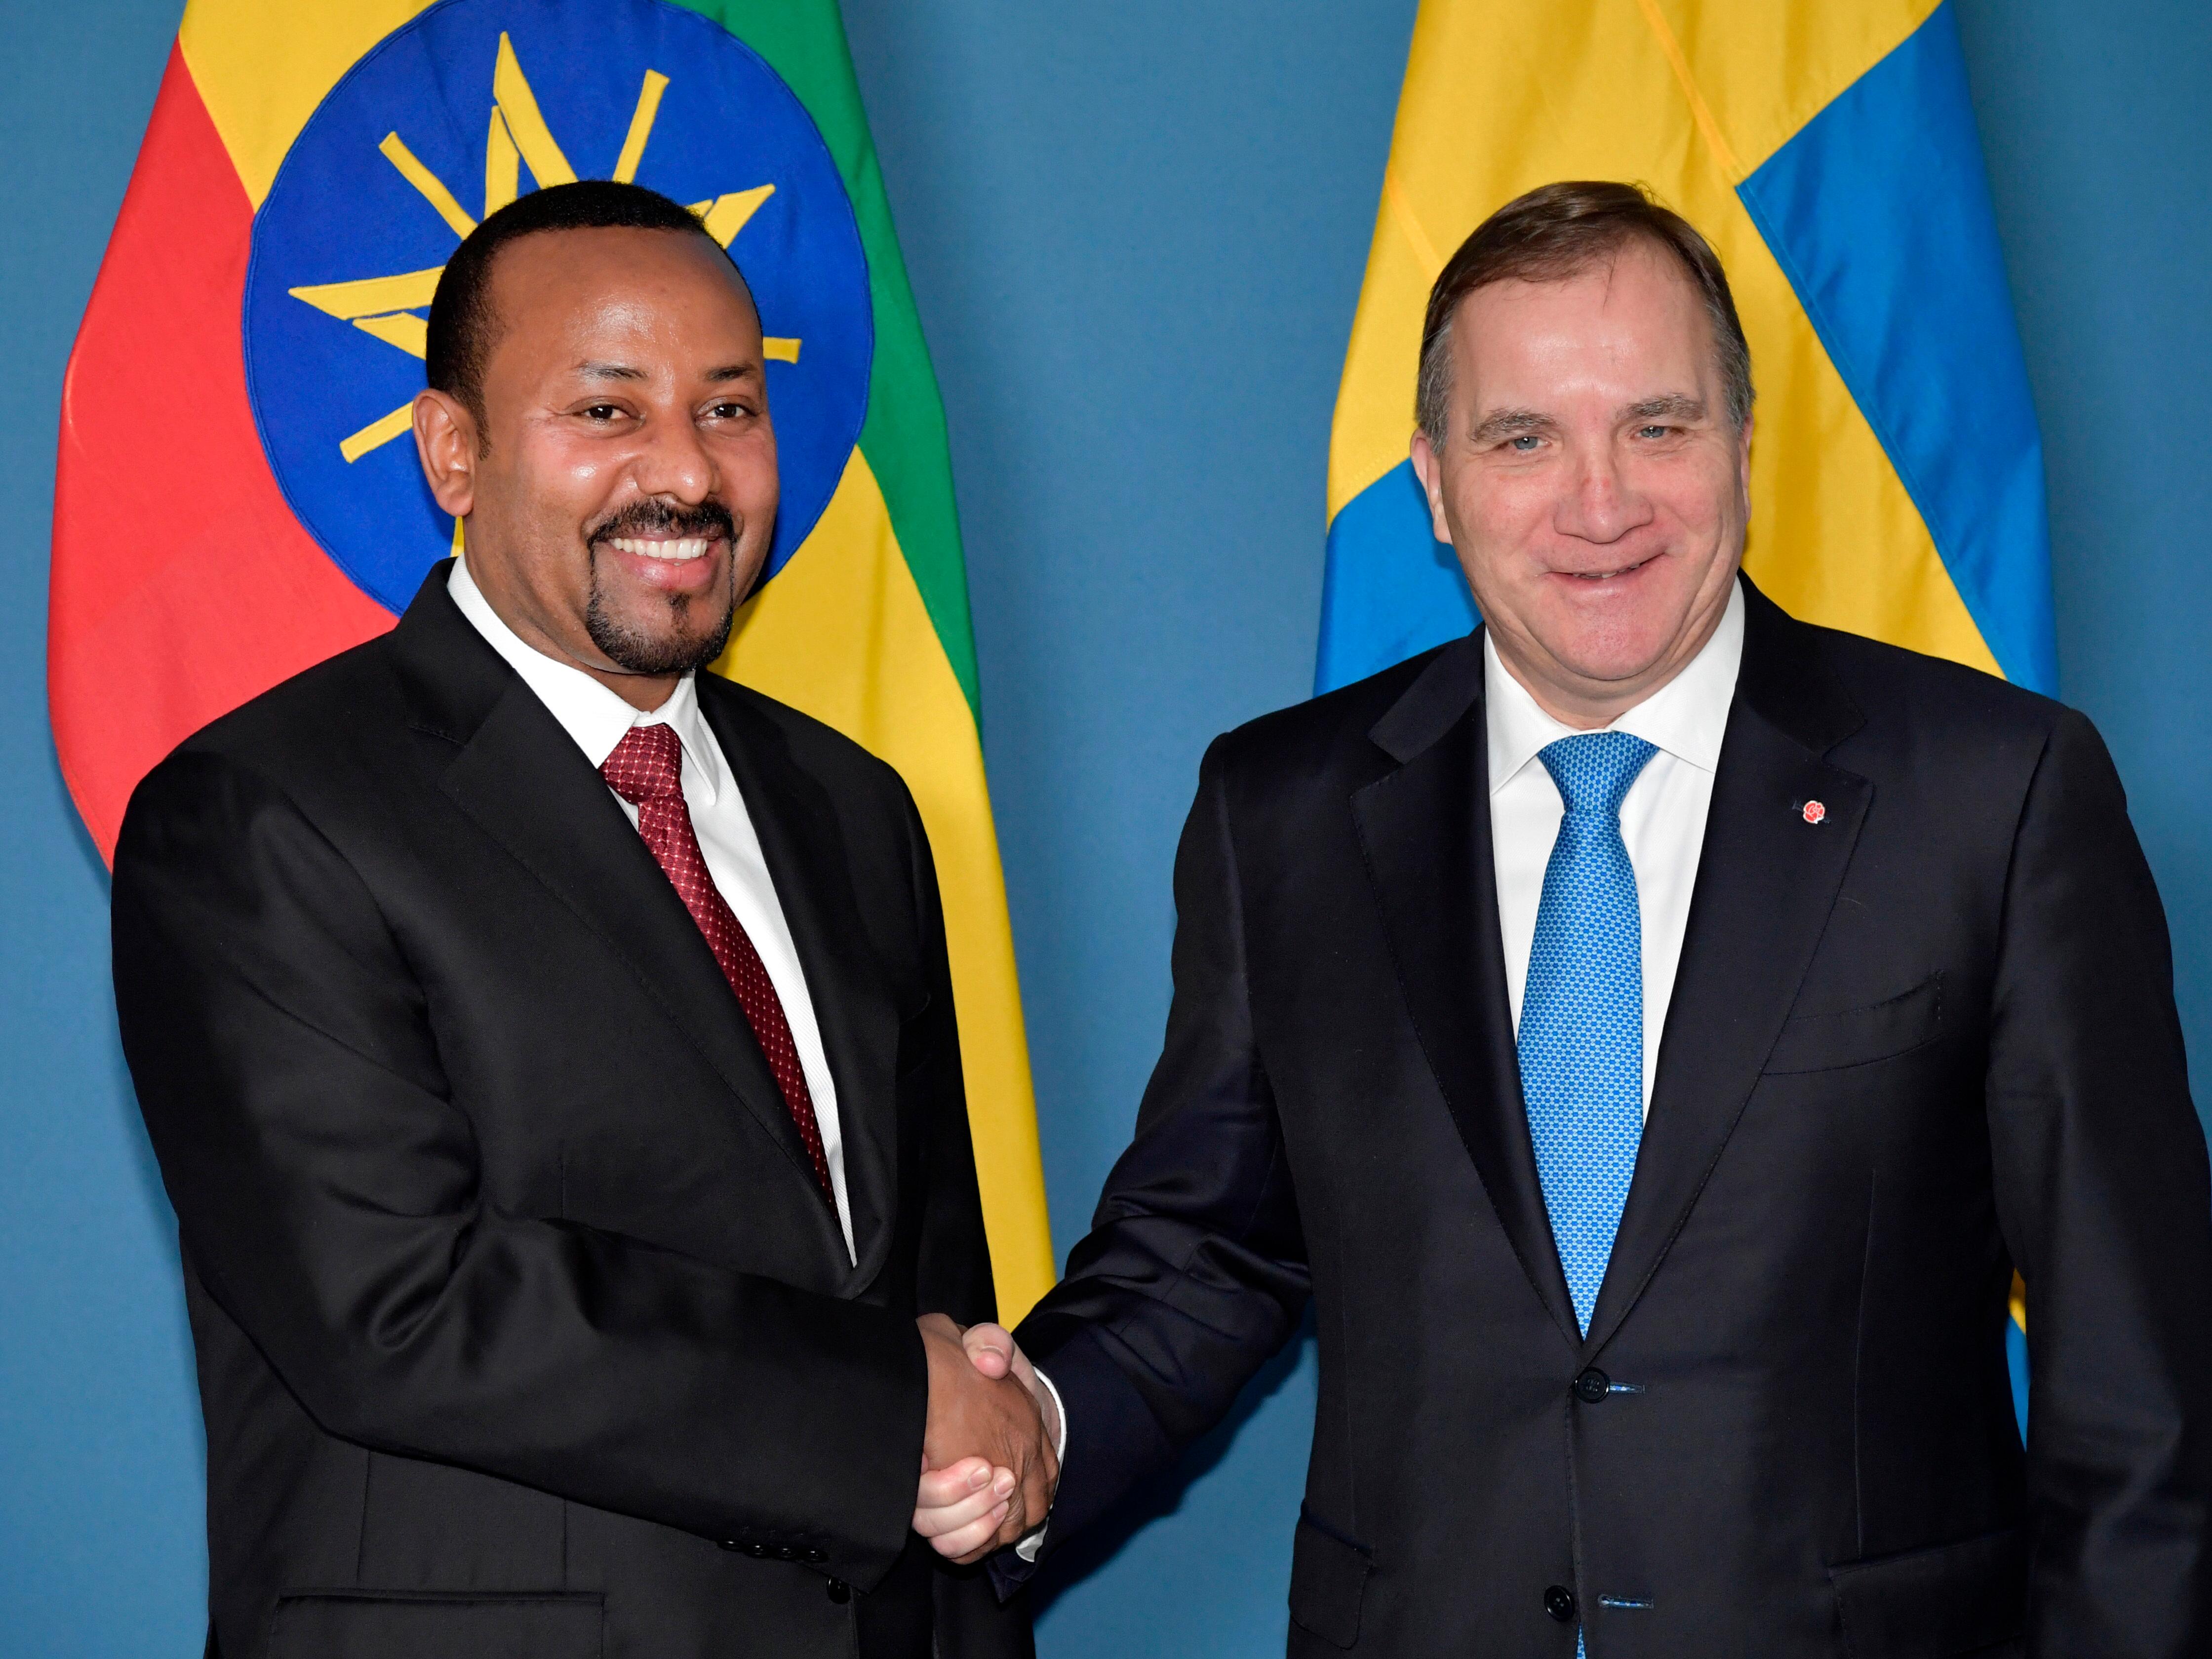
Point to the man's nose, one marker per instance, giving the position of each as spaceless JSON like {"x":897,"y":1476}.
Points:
{"x":1602,"y":504}
{"x":674,"y":462}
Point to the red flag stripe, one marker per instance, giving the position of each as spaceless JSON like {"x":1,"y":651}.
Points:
{"x":182,"y":584}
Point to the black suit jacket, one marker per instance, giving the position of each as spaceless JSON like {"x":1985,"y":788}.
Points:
{"x":523,"y":1327}
{"x":1910,"y":1047}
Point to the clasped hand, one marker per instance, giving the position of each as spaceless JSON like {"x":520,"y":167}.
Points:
{"x":988,"y":1466}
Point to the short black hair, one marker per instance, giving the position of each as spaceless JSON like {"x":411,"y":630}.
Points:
{"x":463,"y":326}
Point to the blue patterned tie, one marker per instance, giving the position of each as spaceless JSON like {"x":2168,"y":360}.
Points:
{"x":1581,"y":1013}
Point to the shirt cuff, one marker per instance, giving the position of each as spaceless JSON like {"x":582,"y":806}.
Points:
{"x":1028,"y":1546}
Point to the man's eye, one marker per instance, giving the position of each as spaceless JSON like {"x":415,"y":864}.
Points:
{"x":1525,"y":444}
{"x":1653,"y":431}
{"x":602,"y":413}
{"x":725,"y":411}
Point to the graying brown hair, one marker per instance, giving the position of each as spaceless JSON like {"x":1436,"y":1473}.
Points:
{"x":1559,"y":231}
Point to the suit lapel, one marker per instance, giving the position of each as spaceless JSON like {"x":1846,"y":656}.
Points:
{"x":1424,"y":828}
{"x":1766,"y":882}
{"x":803,"y":841}
{"x":525,"y":784}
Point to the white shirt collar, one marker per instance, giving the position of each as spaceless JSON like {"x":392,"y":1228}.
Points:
{"x":588,"y":712}
{"x":1687,"y":717}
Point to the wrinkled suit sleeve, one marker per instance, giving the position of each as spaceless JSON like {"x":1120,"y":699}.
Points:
{"x":2104,"y":1200}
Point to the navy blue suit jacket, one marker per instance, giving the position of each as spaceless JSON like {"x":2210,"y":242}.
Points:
{"x":1923,"y":1043}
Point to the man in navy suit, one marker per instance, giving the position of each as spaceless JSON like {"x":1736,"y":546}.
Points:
{"x":1653,"y":1031}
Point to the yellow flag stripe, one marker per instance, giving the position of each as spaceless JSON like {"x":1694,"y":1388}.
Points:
{"x":262,"y":66}
{"x":1762,"y":69}
{"x":1716,"y":142}
{"x":841,"y":633}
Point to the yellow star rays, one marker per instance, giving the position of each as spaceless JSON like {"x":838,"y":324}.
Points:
{"x":388,"y":306}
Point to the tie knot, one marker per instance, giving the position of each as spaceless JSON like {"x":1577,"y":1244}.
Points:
{"x":647,"y":764}
{"x":1593,"y":771}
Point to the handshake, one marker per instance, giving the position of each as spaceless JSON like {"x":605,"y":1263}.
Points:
{"x":989,"y":1453}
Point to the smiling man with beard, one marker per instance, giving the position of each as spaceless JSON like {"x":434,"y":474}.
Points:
{"x":550,"y":1052}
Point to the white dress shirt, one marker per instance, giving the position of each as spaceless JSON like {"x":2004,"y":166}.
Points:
{"x":598,"y":720}
{"x":1662,"y":819}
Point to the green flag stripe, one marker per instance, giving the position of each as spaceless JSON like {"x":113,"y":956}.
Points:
{"x":903,"y":436}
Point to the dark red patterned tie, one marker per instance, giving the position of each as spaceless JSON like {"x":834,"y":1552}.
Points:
{"x":646,"y":770}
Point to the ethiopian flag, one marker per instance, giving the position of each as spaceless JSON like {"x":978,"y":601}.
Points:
{"x":238,"y":495}
{"x":1827,"y":151}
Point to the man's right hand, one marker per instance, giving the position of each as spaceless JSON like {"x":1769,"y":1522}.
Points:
{"x":972,"y":1417}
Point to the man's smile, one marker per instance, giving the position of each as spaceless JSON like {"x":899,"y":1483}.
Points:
{"x":678,"y":566}
{"x":1607,"y":575}
{"x":673,"y":547}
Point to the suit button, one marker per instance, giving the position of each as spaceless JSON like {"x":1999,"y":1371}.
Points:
{"x":816,"y":1558}
{"x":759,"y":1551}
{"x":840,"y":1591}
{"x":786,"y":1552}
{"x":1591,"y":1387}
{"x":1559,"y":1603}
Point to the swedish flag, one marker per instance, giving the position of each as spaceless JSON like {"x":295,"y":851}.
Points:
{"x":1829,"y":153}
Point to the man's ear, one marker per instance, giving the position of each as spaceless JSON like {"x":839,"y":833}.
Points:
{"x":1429,"y":467}
{"x":446,"y":442}
{"x":1743,"y":463}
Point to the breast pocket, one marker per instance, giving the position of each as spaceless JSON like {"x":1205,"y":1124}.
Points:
{"x":1859,"y":1037}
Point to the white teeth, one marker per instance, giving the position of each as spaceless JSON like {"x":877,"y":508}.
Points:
{"x":688,"y":547}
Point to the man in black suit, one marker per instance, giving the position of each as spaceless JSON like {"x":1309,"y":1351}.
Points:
{"x":550,"y":1052}
{"x":1728,"y":1379}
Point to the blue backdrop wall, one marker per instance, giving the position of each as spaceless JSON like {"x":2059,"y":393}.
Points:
{"x":1136,"y":235}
